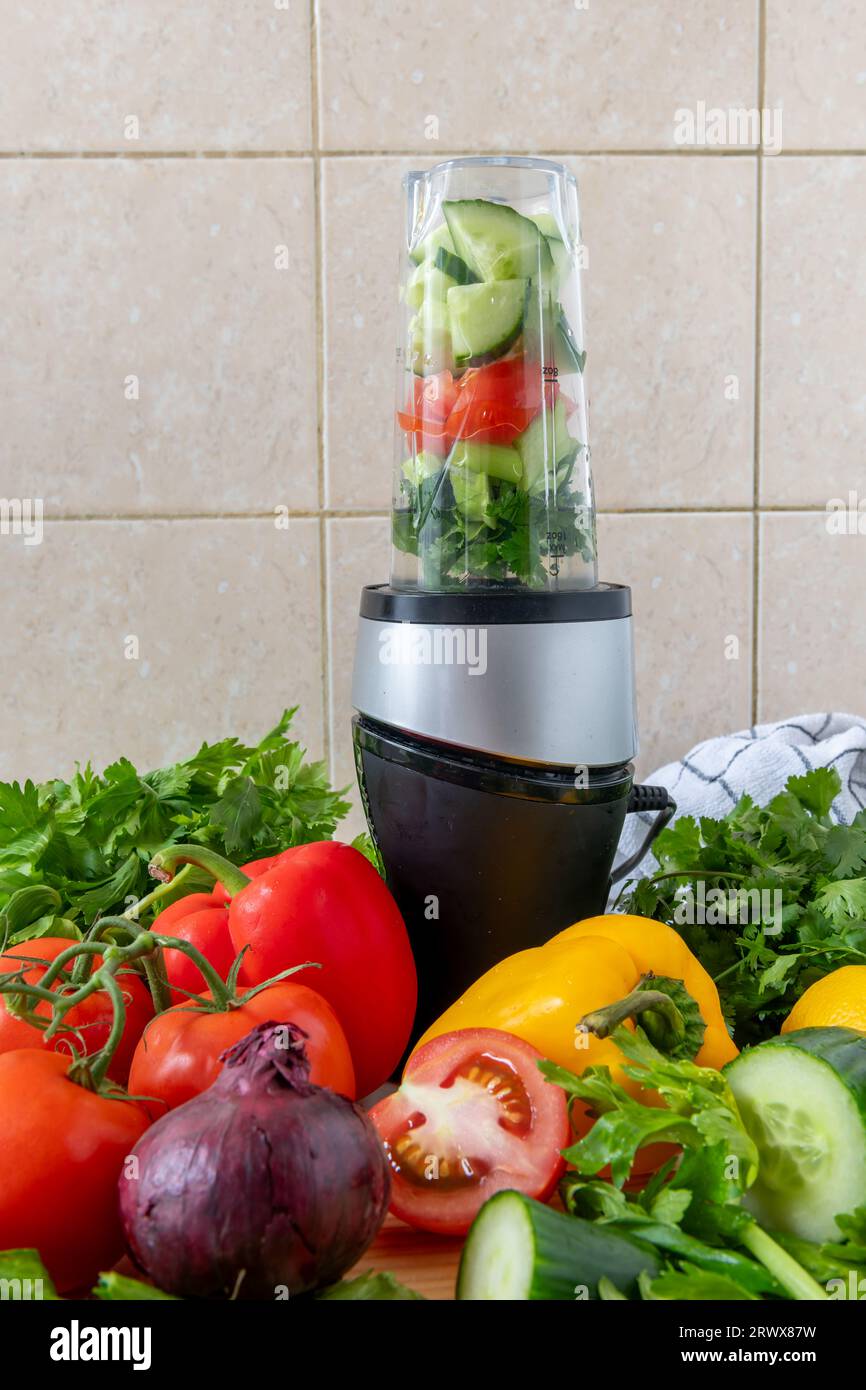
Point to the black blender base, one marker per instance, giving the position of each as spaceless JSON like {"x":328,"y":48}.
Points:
{"x":484,"y":858}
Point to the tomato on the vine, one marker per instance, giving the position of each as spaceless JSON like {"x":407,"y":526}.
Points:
{"x":179,"y":1055}
{"x":86,"y":1027}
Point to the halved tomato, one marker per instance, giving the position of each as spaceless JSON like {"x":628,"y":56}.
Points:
{"x":473,"y":1115}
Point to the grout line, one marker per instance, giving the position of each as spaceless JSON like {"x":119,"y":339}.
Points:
{"x":318,"y":214}
{"x":383,"y":513}
{"x":758,"y":366}
{"x":678,"y":152}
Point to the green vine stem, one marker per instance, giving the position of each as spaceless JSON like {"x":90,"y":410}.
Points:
{"x":162,"y":866}
{"x":138,"y":945}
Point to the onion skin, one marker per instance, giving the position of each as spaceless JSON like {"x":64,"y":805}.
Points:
{"x":262,"y":1186}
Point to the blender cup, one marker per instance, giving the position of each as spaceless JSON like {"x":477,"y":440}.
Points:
{"x":494,"y":676}
{"x":492,"y":482}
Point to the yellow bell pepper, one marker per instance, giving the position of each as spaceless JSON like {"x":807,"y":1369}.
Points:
{"x":583,"y":974}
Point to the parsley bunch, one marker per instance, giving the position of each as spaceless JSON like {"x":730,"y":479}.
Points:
{"x":691,"y":1210}
{"x":787,"y":855}
{"x":71,"y":850}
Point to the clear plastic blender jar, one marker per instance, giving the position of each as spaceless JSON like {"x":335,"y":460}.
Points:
{"x":492,"y":480}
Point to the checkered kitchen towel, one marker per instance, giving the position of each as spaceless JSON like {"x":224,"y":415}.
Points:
{"x":713,"y":776}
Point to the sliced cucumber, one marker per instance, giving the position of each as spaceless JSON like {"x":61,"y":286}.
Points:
{"x":430,"y":339}
{"x":496,"y":242}
{"x":802,"y":1097}
{"x":427,"y":281}
{"x":561,"y":264}
{"x":547,"y":225}
{"x":426,"y":249}
{"x":423,"y":465}
{"x":496,"y":460}
{"x":544,"y":445}
{"x":486,"y":319}
{"x":453,"y":267}
{"x":518,"y":1250}
{"x":471,"y":493}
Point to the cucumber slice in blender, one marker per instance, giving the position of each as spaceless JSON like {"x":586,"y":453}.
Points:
{"x":496,"y":242}
{"x":802,"y":1097}
{"x":486,"y":319}
{"x":430,"y":339}
{"x":454,"y":267}
{"x":496,"y":460}
{"x":547,"y":225}
{"x":544,"y":445}
{"x":471,"y":493}
{"x":561,"y":264}
{"x":427,"y":281}
{"x":520,"y":1250}
{"x":426,"y":249}
{"x":422,"y":465}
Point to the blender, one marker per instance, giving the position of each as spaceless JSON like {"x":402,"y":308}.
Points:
{"x":494,"y":678}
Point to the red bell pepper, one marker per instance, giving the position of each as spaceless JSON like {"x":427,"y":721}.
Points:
{"x":326,"y":903}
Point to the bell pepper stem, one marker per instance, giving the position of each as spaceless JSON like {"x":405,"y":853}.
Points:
{"x":164,"y":863}
{"x":134,"y":911}
{"x":662,"y":1020}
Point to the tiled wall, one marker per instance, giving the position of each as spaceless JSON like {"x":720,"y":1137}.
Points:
{"x":165,"y":386}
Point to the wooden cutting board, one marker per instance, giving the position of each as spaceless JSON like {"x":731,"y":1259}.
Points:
{"x":425,"y":1263}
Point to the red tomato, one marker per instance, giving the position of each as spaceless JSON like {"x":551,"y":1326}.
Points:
{"x":326,"y":903}
{"x":496,"y":403}
{"x":473,"y":1115}
{"x":425,"y":416}
{"x":62,"y":1150}
{"x":92,"y":1019}
{"x":179,"y":1055}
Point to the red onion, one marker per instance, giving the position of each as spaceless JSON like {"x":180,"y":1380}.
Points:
{"x":262,"y":1186}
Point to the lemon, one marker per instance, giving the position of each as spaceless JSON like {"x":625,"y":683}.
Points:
{"x":836,"y":1001}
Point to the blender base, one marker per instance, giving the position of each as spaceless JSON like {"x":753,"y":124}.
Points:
{"x":484,"y":857}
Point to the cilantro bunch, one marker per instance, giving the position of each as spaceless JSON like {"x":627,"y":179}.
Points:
{"x":788,"y":853}
{"x":72,"y":850}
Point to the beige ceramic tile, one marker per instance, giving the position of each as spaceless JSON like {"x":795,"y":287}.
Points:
{"x":502,"y":74}
{"x":358,"y":553}
{"x":670,"y":329}
{"x":814,"y":308}
{"x":811,"y":650}
{"x":691,"y":577}
{"x":816,"y":72}
{"x":163,"y":271}
{"x":226,"y":614}
{"x":361,"y":231}
{"x":202,"y":75}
